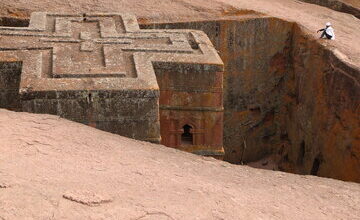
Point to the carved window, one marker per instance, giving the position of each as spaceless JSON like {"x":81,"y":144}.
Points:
{"x":187,"y":136}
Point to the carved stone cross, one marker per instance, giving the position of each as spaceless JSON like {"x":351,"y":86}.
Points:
{"x":98,"y":69}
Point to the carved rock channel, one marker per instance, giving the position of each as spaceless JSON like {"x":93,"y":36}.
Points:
{"x":285,"y":96}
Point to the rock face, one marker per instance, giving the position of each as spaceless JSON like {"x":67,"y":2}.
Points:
{"x":287,"y":96}
{"x":54,"y":168}
{"x":322,"y":112}
{"x":255,"y":51}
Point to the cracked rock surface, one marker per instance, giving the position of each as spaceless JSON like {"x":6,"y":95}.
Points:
{"x":54,"y":168}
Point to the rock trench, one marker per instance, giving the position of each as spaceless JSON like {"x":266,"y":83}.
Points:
{"x":285,"y":96}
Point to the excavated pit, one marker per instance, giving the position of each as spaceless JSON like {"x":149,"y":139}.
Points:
{"x":286,"y":97}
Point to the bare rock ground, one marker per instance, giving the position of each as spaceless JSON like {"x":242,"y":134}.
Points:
{"x":58,"y":169}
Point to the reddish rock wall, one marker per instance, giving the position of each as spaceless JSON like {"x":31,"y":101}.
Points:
{"x":286,"y":96}
{"x":322,"y":113}
{"x":191,"y":95}
{"x":254,"y":52}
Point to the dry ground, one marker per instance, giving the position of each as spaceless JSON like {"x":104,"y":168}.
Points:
{"x":58,"y":169}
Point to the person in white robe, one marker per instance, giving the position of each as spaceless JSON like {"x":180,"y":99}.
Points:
{"x":327,"y":32}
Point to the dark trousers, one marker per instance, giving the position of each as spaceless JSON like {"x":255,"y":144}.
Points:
{"x":326,"y":35}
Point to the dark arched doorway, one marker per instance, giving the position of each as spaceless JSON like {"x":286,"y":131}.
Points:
{"x":187,"y":136}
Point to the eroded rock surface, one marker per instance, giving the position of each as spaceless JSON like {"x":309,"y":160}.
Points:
{"x":64,"y":170}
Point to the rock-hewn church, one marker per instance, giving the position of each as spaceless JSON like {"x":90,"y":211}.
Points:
{"x":163,"y":86}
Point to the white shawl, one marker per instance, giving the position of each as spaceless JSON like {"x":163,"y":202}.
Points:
{"x":330,"y":31}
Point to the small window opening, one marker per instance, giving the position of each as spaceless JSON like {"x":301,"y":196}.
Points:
{"x":14,"y":22}
{"x":316,"y":166}
{"x":187,"y":136}
{"x":301,"y":155}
